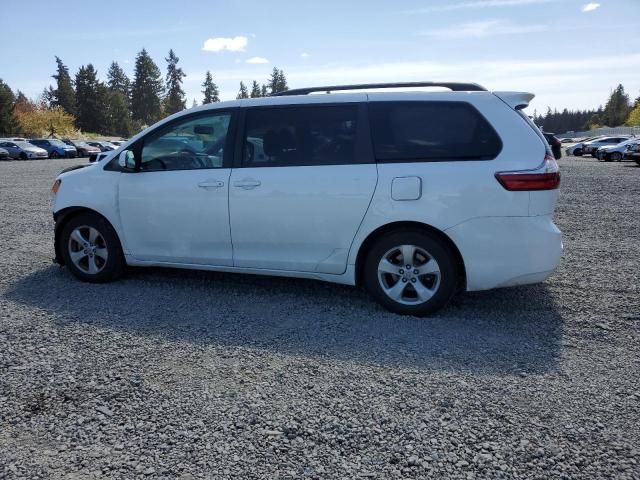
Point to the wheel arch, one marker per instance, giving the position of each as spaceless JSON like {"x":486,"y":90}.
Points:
{"x":62,"y":217}
{"x":370,"y":240}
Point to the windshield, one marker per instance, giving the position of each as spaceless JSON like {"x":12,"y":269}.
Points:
{"x":58,"y":143}
{"x":24,"y":145}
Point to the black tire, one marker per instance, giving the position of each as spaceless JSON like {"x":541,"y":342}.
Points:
{"x":23,"y":156}
{"x":616,"y":157}
{"x":577,"y":152}
{"x":438,"y":249}
{"x":114,"y":266}
{"x":54,"y":155}
{"x":607,"y":158}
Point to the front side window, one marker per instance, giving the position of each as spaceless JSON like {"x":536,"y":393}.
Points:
{"x":190,"y":144}
{"x":431,"y":131}
{"x":300,"y":136}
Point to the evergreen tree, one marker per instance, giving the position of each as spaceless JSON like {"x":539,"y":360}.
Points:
{"x":117,"y":80}
{"x":210,"y":90}
{"x":282,"y":82}
{"x":91,"y":100}
{"x":255,"y":90}
{"x":146,"y":90}
{"x":118,"y":119}
{"x":7,"y":104}
{"x":63,"y":95}
{"x":243,"y":93}
{"x":617,"y":108}
{"x":274,"y":80}
{"x":175,"y":100}
{"x":264,"y":91}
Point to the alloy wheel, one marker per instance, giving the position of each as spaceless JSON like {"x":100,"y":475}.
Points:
{"x":88,"y":249}
{"x":408,"y":274}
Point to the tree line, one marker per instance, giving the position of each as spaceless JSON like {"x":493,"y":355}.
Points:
{"x":118,"y":106}
{"x":619,"y":110}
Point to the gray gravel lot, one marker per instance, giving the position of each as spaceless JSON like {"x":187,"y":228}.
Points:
{"x":203,"y":375}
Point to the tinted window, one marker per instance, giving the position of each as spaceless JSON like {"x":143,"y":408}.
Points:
{"x":296,"y":136}
{"x":409,"y":131}
{"x":190,"y":144}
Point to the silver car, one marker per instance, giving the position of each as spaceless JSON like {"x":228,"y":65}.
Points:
{"x":23,"y":150}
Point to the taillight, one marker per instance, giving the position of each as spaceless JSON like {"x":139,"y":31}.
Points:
{"x":545,"y":177}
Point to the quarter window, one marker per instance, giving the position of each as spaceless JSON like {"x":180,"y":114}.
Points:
{"x":297,"y":136}
{"x":190,"y":144}
{"x":431,"y":131}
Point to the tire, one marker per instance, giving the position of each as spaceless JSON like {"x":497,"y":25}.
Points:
{"x":54,"y":155}
{"x":616,"y":157}
{"x":23,"y":156}
{"x":577,"y":152}
{"x":437,"y":287}
{"x":92,"y":267}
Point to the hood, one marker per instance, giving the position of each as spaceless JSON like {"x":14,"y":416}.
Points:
{"x":35,"y":150}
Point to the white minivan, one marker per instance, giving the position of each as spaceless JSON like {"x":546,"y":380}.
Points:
{"x":414,"y":195}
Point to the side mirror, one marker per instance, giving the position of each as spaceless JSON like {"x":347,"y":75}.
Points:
{"x":127,"y":160}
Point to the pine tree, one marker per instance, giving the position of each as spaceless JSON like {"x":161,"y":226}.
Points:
{"x":7,"y":103}
{"x":264,"y":91}
{"x":210,"y":91}
{"x":274,"y":80}
{"x":243,"y":93}
{"x":63,"y":94}
{"x":91,"y":100}
{"x":118,"y":118}
{"x":282,"y":82}
{"x":147,"y":90}
{"x":117,"y":80}
{"x":617,"y":108}
{"x":175,"y":100}
{"x":255,"y":90}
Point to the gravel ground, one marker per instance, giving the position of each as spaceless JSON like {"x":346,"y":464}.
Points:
{"x":203,"y":375}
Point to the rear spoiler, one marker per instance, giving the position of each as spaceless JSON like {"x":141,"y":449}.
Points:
{"x":516,"y":100}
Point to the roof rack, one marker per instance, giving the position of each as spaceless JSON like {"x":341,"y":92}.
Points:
{"x":453,"y":86}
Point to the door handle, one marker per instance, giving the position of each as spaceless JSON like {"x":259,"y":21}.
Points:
{"x":247,"y":183}
{"x":211,"y":184}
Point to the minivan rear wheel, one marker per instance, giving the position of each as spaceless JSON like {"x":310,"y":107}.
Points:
{"x":411,"y":272}
{"x":91,"y":249}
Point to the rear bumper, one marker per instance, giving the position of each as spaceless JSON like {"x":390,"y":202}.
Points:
{"x":506,"y":251}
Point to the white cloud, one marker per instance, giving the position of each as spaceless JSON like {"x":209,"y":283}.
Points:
{"x":590,"y":7}
{"x":232,"y":44}
{"x":478,"y":4}
{"x":257,"y":60}
{"x":304,"y":55}
{"x":481,"y":29}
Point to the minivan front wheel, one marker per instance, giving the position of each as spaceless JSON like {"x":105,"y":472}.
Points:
{"x":411,"y":273}
{"x":91,"y":249}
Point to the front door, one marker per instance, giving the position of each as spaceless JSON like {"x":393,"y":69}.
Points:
{"x":305,"y":181}
{"x":174,"y":209}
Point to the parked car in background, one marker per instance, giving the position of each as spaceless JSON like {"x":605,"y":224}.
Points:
{"x":102,"y":145}
{"x":413,"y":195}
{"x":615,"y":153}
{"x":567,"y":140}
{"x":83,"y":148}
{"x":118,"y":143}
{"x":554,"y":143}
{"x":577,"y":148}
{"x":593,"y":145}
{"x":633,"y":152}
{"x":4,"y":155}
{"x":24,"y":150}
{"x":55,"y":148}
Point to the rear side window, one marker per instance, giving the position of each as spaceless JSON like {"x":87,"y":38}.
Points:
{"x":431,"y":131}
{"x":300,"y":136}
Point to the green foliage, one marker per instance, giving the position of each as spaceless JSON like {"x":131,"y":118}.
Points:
{"x":243,"y":92}
{"x":617,"y":108}
{"x":8,"y":121}
{"x":210,"y":90}
{"x":40,"y":122}
{"x":147,"y":90}
{"x":63,"y":95}
{"x":117,"y":118}
{"x":255,"y":90}
{"x":277,"y":81}
{"x":175,"y":100}
{"x":264,"y":91}
{"x":567,"y":120}
{"x":117,"y":80}
{"x":634,"y":116}
{"x":91,"y":97}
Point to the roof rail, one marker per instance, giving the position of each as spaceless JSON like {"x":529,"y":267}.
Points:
{"x":453,"y":86}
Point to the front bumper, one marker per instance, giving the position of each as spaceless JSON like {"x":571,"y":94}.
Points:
{"x":506,"y":251}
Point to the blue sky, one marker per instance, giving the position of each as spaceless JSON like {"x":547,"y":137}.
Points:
{"x":570,"y":53}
